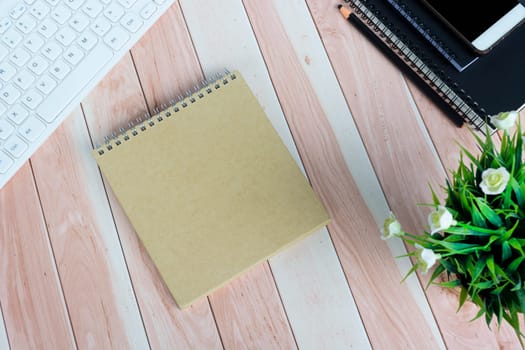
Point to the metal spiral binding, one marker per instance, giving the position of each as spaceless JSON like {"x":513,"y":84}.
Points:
{"x":447,"y":90}
{"x":165,"y":111}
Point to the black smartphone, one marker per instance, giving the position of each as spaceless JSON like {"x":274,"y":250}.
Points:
{"x":481,"y":24}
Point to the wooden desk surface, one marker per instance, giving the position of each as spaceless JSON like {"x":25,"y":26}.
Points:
{"x":74,"y":275}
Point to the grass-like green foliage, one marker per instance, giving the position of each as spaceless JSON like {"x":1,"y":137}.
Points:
{"x":483,"y":253}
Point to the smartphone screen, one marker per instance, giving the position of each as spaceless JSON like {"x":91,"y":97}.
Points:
{"x":472,"y":18}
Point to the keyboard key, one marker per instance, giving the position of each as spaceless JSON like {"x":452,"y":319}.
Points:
{"x":24,"y":79}
{"x":127,"y":3}
{"x":6,"y":129}
{"x":101,"y":26}
{"x":34,"y":42}
{"x":79,"y":22}
{"x":2,"y":109}
{"x":69,"y":88}
{"x":5,"y":162}
{"x":3,"y":52}
{"x":131,"y":22}
{"x":40,"y":10}
{"x":31,"y":129}
{"x":61,"y":14}
{"x":12,"y":38}
{"x":87,"y":41}
{"x":20,"y":57}
{"x":51,"y":50}
{"x":5,"y":24}
{"x":148,"y":10}
{"x":73,"y":55}
{"x":66,"y":36}
{"x":38,"y":65}
{"x":60,"y":69}
{"x":47,"y":28}
{"x":25,"y":24}
{"x":7,"y":71}
{"x":18,"y":10}
{"x":9,"y":94}
{"x":17,"y":114}
{"x":15,"y":146}
{"x":113,"y":12}
{"x":92,"y":8}
{"x":74,"y":4}
{"x":116,"y":38}
{"x":46,"y":84}
{"x":32,"y":99}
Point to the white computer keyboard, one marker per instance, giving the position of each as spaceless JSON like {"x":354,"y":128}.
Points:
{"x":52,"y":53}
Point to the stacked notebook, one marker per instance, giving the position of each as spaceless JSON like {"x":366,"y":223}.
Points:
{"x":471,"y":92}
{"x":210,"y":188}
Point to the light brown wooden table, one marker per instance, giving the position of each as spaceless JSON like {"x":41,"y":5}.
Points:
{"x":74,"y":275}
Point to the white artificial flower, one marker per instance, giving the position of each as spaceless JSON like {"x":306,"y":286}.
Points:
{"x":440,"y":219}
{"x":494,"y":181}
{"x":426,"y":258}
{"x":504,"y":120}
{"x":391,"y":227}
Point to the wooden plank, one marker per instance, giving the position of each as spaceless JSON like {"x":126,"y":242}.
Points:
{"x":303,"y":36}
{"x":311,"y":283}
{"x":324,"y":162}
{"x":152,"y":61}
{"x":30,"y":292}
{"x":89,"y":257}
{"x":377,"y":95}
{"x":167,"y":327}
{"x":242,"y":304}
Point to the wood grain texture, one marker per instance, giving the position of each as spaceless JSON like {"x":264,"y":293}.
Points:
{"x":302,"y":34}
{"x":86,"y":245}
{"x":377,"y":94}
{"x":331,"y":178}
{"x":246,"y":316}
{"x":35,"y":313}
{"x":166,"y":325}
{"x":312,"y":286}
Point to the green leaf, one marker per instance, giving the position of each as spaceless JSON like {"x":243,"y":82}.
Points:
{"x":483,"y":285}
{"x":477,"y":218}
{"x":518,"y":191}
{"x":462,"y":298}
{"x":490,"y":214}
{"x":449,"y":284}
{"x":480,"y":266}
{"x":435,"y":198}
{"x":437,"y":271}
{"x":513,"y":266}
{"x":492,"y":269}
{"x":514,"y":243}
{"x":506,"y":251}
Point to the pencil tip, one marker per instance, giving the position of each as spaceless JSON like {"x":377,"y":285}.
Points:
{"x":339,"y":6}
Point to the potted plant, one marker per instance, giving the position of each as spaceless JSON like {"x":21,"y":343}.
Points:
{"x":476,"y":237}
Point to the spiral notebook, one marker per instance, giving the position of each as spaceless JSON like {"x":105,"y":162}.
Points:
{"x":435,"y":32}
{"x":210,"y":188}
{"x":490,"y":85}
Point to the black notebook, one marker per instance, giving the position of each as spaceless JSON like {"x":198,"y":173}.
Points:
{"x":492,"y":84}
{"x":435,"y":32}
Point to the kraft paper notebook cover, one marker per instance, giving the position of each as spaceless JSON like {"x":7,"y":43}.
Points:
{"x":210,"y":188}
